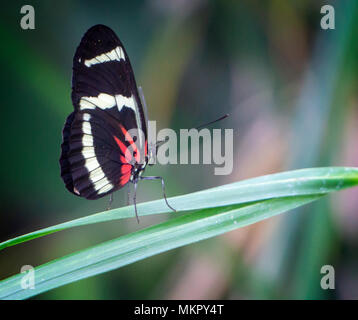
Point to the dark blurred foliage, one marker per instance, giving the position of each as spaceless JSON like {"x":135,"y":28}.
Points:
{"x":290,"y":88}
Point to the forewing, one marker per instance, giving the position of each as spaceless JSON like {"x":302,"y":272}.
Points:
{"x":103,"y":77}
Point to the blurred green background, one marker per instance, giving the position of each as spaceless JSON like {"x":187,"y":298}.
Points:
{"x":290,"y":88}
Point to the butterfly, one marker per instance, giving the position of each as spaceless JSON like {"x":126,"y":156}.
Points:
{"x":105,"y":139}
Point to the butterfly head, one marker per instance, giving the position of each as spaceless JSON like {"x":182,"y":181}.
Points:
{"x":137,"y":170}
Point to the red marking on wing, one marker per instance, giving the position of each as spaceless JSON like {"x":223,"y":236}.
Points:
{"x":131,"y":142}
{"x":126,"y":171}
{"x":126,"y":167}
{"x":123,"y":179}
{"x":123,"y":148}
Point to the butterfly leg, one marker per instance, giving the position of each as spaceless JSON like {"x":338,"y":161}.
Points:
{"x":135,"y":201}
{"x":110,"y":201}
{"x":163,"y":188}
{"x":128,"y":194}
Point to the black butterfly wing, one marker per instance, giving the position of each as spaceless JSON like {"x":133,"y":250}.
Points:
{"x":93,"y":159}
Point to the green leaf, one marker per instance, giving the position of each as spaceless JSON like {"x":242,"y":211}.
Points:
{"x":292,"y":183}
{"x":213,"y":212}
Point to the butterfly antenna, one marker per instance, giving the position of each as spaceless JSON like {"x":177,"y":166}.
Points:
{"x":211,"y":122}
{"x":128,"y":194}
{"x":159,"y":143}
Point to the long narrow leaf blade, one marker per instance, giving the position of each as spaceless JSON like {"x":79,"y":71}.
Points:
{"x":315,"y":181}
{"x":145,"y":243}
